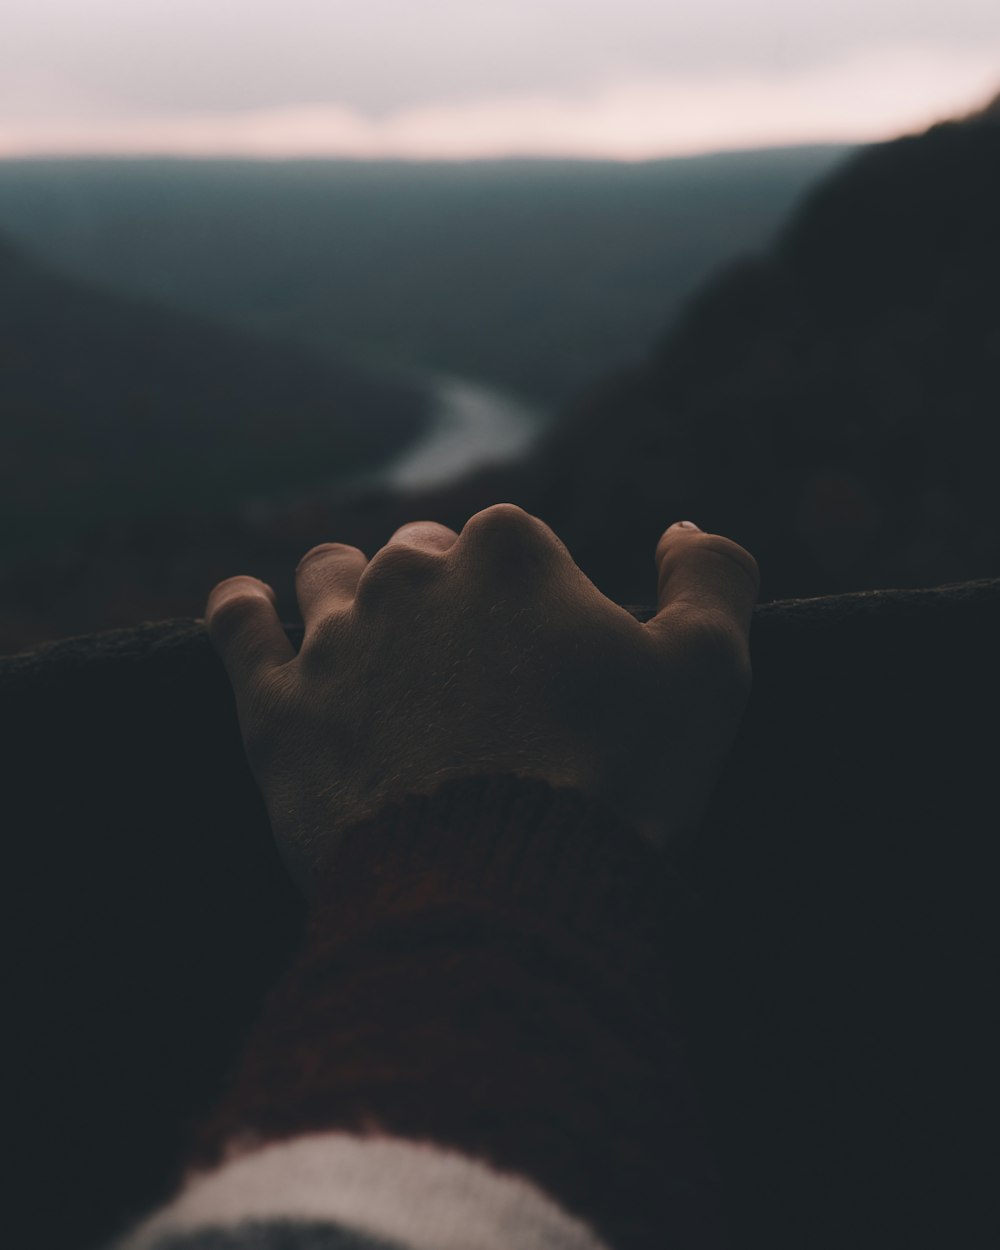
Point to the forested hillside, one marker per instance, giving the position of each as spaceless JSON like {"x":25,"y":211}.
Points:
{"x":114,"y":414}
{"x":834,"y":405}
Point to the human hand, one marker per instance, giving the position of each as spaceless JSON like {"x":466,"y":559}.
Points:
{"x":451,"y":654}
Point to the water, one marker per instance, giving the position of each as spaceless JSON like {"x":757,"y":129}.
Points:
{"x":474,"y":426}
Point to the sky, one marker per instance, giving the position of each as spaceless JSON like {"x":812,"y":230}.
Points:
{"x":427,"y":79}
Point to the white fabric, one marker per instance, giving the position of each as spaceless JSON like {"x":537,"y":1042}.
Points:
{"x":417,"y":1194}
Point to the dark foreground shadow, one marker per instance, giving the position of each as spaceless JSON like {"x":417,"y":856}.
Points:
{"x":841,"y":978}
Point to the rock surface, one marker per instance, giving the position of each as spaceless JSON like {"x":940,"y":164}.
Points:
{"x":839,"y":981}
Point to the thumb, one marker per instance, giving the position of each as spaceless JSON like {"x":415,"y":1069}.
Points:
{"x":704,"y":575}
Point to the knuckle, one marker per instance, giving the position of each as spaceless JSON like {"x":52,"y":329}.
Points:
{"x":328,"y":549}
{"x":230,"y":609}
{"x":504,"y":529}
{"x":396,"y":568}
{"x":420,"y":529}
{"x":501,"y":518}
{"x":673,"y":549}
{"x":733,"y":551}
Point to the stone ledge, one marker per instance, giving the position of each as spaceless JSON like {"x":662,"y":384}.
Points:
{"x":154,"y":638}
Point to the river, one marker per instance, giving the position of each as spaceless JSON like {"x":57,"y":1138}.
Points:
{"x":474,"y":425}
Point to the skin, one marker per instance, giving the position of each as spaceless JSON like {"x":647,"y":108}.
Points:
{"x":450,"y":654}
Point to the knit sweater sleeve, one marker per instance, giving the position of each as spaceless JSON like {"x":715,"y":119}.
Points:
{"x":476,"y":1046}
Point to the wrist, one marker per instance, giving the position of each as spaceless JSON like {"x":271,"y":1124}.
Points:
{"x":520,"y":842}
{"x":485,"y":968}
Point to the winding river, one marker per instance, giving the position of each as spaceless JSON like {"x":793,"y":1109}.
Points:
{"x":474,"y":425}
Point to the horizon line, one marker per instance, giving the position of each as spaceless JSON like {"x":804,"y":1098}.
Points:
{"x":511,"y":158}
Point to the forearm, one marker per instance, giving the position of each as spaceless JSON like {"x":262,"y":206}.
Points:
{"x":484,"y":973}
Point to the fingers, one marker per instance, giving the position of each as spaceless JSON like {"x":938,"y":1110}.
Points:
{"x":498,"y":540}
{"x":246,"y":632}
{"x":704,"y":574}
{"x":327,"y":579}
{"x":328,"y":575}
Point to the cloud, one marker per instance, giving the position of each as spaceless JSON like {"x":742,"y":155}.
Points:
{"x":866,"y":96}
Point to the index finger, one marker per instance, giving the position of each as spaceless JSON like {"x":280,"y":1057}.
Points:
{"x":245,"y":630}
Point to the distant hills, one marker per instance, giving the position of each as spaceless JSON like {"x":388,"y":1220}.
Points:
{"x":834,"y":404}
{"x":534,"y":276}
{"x":114,"y":413}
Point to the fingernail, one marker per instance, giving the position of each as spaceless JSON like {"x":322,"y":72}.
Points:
{"x":685,"y":525}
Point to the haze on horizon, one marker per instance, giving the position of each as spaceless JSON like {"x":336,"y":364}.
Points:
{"x":426,"y":79}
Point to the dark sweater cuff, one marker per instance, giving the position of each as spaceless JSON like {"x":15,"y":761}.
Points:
{"x":485,"y":969}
